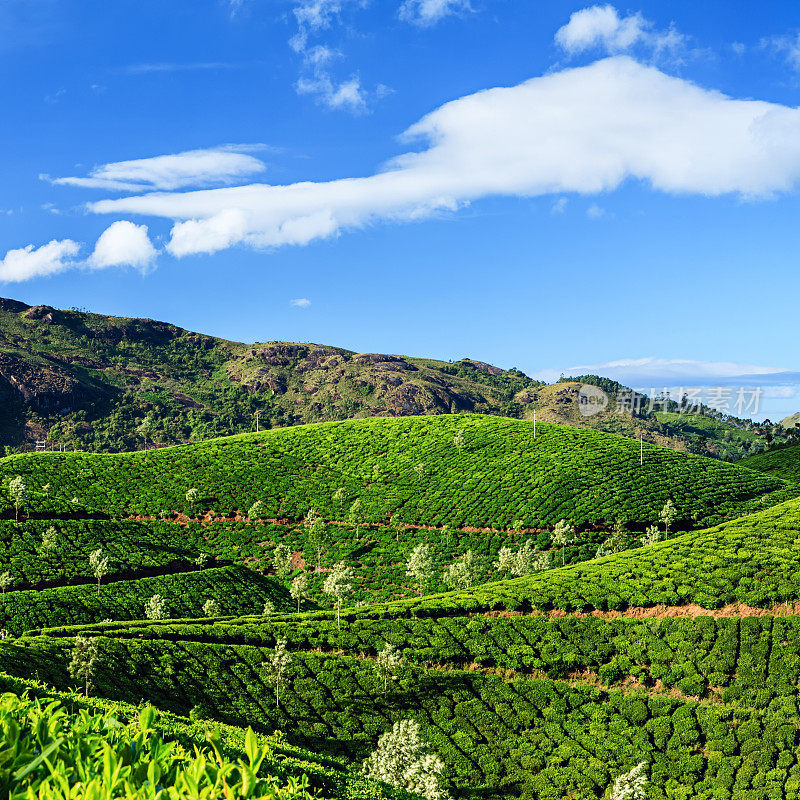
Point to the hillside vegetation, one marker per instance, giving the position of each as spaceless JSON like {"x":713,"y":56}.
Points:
{"x":682,"y":654}
{"x":783,"y":463}
{"x":461,"y":470}
{"x":89,"y":382}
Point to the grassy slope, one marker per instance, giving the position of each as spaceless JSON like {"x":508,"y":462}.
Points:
{"x":411,"y":468}
{"x":783,"y":463}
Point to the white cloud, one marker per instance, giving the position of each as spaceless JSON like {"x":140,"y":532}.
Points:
{"x":595,"y":212}
{"x":560,"y":205}
{"x":123,"y":244}
{"x":346,"y":95}
{"x":787,"y":46}
{"x":169,"y":66}
{"x":316,"y":78}
{"x":429,"y":12}
{"x":36,"y":262}
{"x":300,"y":302}
{"x":582,"y":130}
{"x":601,"y":27}
{"x":219,"y":165}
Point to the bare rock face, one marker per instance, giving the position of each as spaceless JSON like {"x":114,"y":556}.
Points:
{"x":47,"y":388}
{"x":41,"y":313}
{"x":483,"y":366}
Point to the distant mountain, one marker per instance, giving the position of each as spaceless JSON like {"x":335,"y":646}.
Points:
{"x":790,"y":421}
{"x":89,"y":381}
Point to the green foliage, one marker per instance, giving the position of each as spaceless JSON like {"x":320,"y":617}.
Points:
{"x":565,"y":473}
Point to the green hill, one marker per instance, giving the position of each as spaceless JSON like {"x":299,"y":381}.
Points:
{"x":683,"y":654}
{"x":462,"y":470}
{"x":519,"y":703}
{"x":88,"y":381}
{"x":783,"y":463}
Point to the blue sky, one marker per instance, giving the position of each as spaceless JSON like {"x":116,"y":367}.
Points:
{"x":620,"y":211}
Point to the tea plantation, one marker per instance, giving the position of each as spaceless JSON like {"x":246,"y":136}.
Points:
{"x":782,"y":463}
{"x":461,"y":470}
{"x":682,"y":654}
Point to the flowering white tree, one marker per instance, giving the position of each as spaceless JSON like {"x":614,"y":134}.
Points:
{"x":18,"y":490}
{"x":191,"y":496}
{"x":211,"y":608}
{"x":100,"y":565}
{"x":563,"y":535}
{"x":282,"y":559}
{"x":85,"y":658}
{"x":257,"y":510}
{"x":463,"y":573}
{"x":631,"y":785}
{"x":276,"y":667}
{"x":405,"y":760}
{"x":156,"y":607}
{"x":524,"y":560}
{"x":421,"y":566}
{"x":505,"y":561}
{"x":339,"y":584}
{"x":298,"y":589}
{"x":49,"y":540}
{"x":5,"y":581}
{"x":668,"y":515}
{"x":388,"y":664}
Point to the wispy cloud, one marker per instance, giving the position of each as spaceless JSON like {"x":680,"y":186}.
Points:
{"x":582,"y":130}
{"x":166,"y":66}
{"x":219,"y":165}
{"x":300,"y":302}
{"x":429,"y":12}
{"x":317,"y":78}
{"x":786,"y":46}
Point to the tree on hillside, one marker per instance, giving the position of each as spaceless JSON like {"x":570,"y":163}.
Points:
{"x":405,"y":760}
{"x":458,"y":440}
{"x":282,"y":559}
{"x":338,"y":497}
{"x":277,"y":666}
{"x":145,"y":429}
{"x":85,"y":660}
{"x":563,"y":535}
{"x":421,"y":566}
{"x":525,"y":560}
{"x":298,"y":589}
{"x":191,"y":496}
{"x":668,"y":515}
{"x":355,"y":516}
{"x":505,"y":561}
{"x":100,"y":565}
{"x":419,"y":469}
{"x":257,"y":510}
{"x":211,"y":608}
{"x":19,"y":493}
{"x":388,"y":664}
{"x":652,"y":535}
{"x":49,"y":540}
{"x":5,"y":581}
{"x":631,"y":785}
{"x":338,"y":585}
{"x":318,"y":537}
{"x":464,"y":572}
{"x":156,"y":607}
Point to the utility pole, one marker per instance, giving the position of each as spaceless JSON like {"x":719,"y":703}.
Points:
{"x":257,"y":413}
{"x":641,"y":449}
{"x":534,"y":422}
